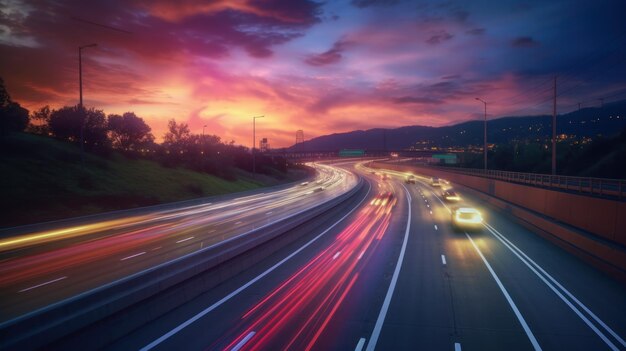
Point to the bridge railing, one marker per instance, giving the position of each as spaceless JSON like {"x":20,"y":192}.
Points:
{"x":584,"y":185}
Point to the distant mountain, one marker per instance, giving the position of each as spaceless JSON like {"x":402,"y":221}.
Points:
{"x":589,"y":122}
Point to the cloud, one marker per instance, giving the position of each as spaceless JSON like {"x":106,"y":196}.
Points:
{"x":439,"y":37}
{"x":476,"y":31}
{"x":368,"y":3}
{"x":524,"y":42}
{"x":417,"y":100}
{"x":333,"y":55}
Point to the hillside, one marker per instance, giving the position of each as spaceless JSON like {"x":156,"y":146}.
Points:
{"x":43,"y":179}
{"x":607,"y":121}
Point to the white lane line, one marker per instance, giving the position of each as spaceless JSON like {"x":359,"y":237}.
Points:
{"x":269,"y":213}
{"x":436,"y":227}
{"x":428,"y":206}
{"x":431,"y":212}
{"x":132,"y":256}
{"x":457,"y":346}
{"x":183,"y":240}
{"x":443,"y":259}
{"x":525,"y":259}
{"x":361,"y":255}
{"x":518,"y":314}
{"x":201,"y":314}
{"x":238,"y":223}
{"x":211,"y":231}
{"x":42,"y":284}
{"x":337,"y":255}
{"x":360,"y":344}
{"x":243,"y":341}
{"x":156,"y":248}
{"x":394,"y":279}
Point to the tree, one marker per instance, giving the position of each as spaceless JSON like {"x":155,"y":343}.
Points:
{"x":128,"y":132}
{"x":39,"y":120}
{"x":13,"y":117}
{"x":177,"y":133}
{"x":66,"y":123}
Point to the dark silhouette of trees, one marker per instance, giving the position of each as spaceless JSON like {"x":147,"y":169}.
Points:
{"x":66,"y":123}
{"x":39,"y":120}
{"x":13,"y":117}
{"x":129,"y":132}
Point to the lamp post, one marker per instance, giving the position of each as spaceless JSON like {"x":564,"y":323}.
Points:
{"x":202,"y":151}
{"x":485,"y":133}
{"x":253,"y":142}
{"x":80,"y":103}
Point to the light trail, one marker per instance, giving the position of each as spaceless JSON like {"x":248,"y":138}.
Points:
{"x":295,"y":314}
{"x":46,"y":254}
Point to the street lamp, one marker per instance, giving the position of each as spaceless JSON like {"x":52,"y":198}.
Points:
{"x":253,"y":142}
{"x":485,"y":147}
{"x":80,"y":104}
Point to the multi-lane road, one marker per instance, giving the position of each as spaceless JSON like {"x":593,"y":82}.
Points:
{"x":383,"y":271}
{"x":47,"y":266}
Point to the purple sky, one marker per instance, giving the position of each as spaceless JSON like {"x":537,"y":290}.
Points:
{"x":321,"y":67}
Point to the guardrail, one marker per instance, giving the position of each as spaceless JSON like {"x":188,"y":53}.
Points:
{"x":39,"y":328}
{"x":583,"y":185}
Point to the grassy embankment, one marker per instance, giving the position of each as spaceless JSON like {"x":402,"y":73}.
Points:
{"x":43,"y":179}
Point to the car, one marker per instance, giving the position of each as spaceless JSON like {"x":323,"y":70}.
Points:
{"x":410,"y":179}
{"x":466,"y":218}
{"x":434,"y":181}
{"x":304,"y":183}
{"x":450,"y":196}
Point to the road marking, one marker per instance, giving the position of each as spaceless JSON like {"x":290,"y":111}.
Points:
{"x":443,"y":259}
{"x":361,"y":255}
{"x":428,"y":206}
{"x":238,"y":223}
{"x":42,"y":284}
{"x":394,"y":279}
{"x":156,"y":248}
{"x":183,"y":240}
{"x":527,"y":261}
{"x":243,"y":341}
{"x":337,"y":255}
{"x":431,"y":212}
{"x":457,"y":346}
{"x":360,"y":344}
{"x":132,"y":256}
{"x":518,"y":314}
{"x":211,"y":231}
{"x":436,"y":227}
{"x":217,"y":304}
{"x":269,"y":213}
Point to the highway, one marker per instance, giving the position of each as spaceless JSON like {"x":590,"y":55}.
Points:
{"x":386,"y":271}
{"x":41,"y":268}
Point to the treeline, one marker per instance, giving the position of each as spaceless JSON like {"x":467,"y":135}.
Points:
{"x":603,"y":157}
{"x":130,"y":135}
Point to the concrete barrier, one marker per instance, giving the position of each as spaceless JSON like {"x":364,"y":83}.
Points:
{"x":591,"y":228}
{"x":40,"y":328}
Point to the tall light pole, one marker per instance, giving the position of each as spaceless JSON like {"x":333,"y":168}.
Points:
{"x":202,"y":151}
{"x":485,"y":133}
{"x":80,"y":104}
{"x":253,"y":142}
{"x":554,"y":131}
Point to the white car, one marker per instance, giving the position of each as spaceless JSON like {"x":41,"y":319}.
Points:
{"x":466,"y":218}
{"x":434,"y":181}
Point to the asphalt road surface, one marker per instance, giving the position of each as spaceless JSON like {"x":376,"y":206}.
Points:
{"x":51,"y":265}
{"x":386,"y":271}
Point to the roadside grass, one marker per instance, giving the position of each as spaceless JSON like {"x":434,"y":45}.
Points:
{"x":44,"y":179}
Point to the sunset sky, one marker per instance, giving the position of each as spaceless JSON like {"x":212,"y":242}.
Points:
{"x":322,"y":67}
